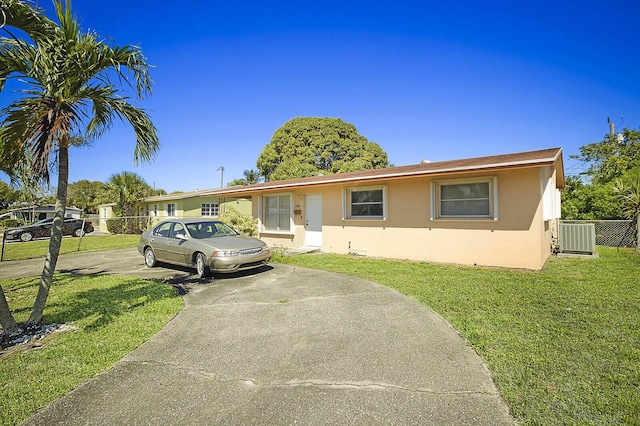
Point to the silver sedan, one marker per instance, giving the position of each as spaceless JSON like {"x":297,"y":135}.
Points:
{"x":203,"y":244}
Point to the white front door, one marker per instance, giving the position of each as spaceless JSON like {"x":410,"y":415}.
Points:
{"x":313,"y":220}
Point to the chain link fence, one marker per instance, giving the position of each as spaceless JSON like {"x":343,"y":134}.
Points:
{"x":613,"y":233}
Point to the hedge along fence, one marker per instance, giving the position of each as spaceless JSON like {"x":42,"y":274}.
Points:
{"x":127,"y":224}
{"x":10,"y":223}
{"x":244,"y":224}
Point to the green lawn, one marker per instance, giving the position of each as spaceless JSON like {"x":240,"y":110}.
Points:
{"x":109,"y":315}
{"x":563,"y":343}
{"x":33,"y":249}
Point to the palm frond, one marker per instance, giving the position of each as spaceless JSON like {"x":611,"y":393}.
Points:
{"x":27,"y":18}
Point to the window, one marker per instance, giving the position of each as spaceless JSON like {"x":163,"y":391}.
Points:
{"x":155,"y":210}
{"x":171,"y":209}
{"x":465,"y":199}
{"x":210,"y":209}
{"x":365,"y":203}
{"x":177,"y":229}
{"x":162,"y":230}
{"x":277,"y":213}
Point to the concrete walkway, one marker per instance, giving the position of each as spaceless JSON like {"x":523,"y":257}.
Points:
{"x":289,"y":346}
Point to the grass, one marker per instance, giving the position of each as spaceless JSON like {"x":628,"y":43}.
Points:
{"x":34,"y":249}
{"x":110,"y":316}
{"x":563,"y":343}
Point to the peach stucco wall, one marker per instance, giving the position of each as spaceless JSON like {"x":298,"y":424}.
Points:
{"x":519,"y":238}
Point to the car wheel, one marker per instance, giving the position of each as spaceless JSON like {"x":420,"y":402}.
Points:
{"x":202,"y":269}
{"x":150,"y":257}
{"x":78,"y":233}
{"x":26,"y":236}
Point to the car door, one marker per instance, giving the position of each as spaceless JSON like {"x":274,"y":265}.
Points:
{"x":158,"y":240}
{"x":68,"y":226}
{"x":176,"y":248}
{"x":43,"y":228}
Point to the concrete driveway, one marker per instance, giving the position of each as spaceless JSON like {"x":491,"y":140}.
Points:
{"x":285,"y":345}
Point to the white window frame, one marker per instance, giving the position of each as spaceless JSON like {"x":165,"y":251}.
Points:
{"x":170,"y":207}
{"x":436,"y":206}
{"x":263,"y":213}
{"x":212,"y":209}
{"x":346,"y":202}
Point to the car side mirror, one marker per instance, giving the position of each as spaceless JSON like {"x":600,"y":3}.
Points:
{"x":181,"y":236}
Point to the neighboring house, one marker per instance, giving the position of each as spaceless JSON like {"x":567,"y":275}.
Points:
{"x":500,"y":210}
{"x":105,"y":212}
{"x":180,"y":204}
{"x":190,"y":204}
{"x":31,"y":214}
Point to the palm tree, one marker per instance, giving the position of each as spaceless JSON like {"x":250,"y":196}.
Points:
{"x":251,"y":176}
{"x":627,"y":192}
{"x":127,"y":189}
{"x":68,"y":93}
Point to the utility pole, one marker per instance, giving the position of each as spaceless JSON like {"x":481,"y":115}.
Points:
{"x":221,"y":168}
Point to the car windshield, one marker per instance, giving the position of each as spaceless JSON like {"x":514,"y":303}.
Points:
{"x":211,"y":229}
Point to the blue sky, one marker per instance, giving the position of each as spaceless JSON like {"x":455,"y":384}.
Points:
{"x":425,"y":80}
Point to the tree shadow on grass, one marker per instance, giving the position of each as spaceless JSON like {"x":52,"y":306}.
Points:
{"x":96,"y":306}
{"x":106,"y":304}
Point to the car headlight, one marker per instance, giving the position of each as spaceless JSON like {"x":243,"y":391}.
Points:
{"x":225,"y":253}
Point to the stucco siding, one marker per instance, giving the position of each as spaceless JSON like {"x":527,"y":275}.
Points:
{"x":242,"y":205}
{"x":469,"y":247}
{"x":517,"y":236}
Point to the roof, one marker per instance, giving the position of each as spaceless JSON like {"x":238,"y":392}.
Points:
{"x":181,"y":195}
{"x":44,"y":207}
{"x":540,"y":158}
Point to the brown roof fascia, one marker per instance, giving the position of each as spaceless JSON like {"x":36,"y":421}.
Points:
{"x":552,"y":156}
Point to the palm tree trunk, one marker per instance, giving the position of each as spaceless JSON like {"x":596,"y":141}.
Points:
{"x":9,"y":325}
{"x":46,"y":279}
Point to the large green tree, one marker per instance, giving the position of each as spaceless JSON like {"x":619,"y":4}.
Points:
{"x":589,"y":201}
{"x":8,"y":196}
{"x":594,"y":195}
{"x":308,"y":146}
{"x":85,"y":194}
{"x":612,"y":157}
{"x":69,"y":78}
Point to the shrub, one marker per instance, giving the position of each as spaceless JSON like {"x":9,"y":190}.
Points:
{"x":121,"y":225}
{"x":10,"y":223}
{"x":115,"y":225}
{"x":242,"y":223}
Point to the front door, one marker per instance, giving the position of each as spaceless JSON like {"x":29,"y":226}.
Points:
{"x":313,"y":220}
